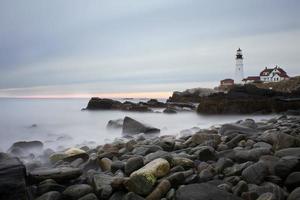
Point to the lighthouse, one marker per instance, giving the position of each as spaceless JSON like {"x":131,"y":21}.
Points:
{"x":239,"y":67}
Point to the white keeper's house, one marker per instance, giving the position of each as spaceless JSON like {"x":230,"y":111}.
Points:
{"x":275,"y":74}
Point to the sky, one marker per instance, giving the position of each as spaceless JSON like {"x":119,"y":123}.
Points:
{"x":140,"y":48}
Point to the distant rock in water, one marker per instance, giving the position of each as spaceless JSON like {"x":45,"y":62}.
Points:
{"x":12,"y":178}
{"x":115,"y":124}
{"x":24,"y":148}
{"x":191,"y":95}
{"x":248,"y":99}
{"x":132,"y":126}
{"x":96,"y":103}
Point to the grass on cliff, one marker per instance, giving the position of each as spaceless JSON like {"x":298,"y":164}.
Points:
{"x":282,"y":86}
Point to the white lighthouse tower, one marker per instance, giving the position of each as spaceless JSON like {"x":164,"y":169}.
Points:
{"x":239,"y":67}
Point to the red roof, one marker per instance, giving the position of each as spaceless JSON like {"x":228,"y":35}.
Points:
{"x":281,"y":72}
{"x":252,"y":78}
{"x":227,"y":80}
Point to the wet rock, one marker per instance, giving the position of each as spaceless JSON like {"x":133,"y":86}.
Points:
{"x":169,"y":110}
{"x":133,"y":164}
{"x":53,"y":195}
{"x":160,"y":191}
{"x":90,"y":196}
{"x":117,"y":165}
{"x":25,"y":148}
{"x":288,"y":152}
{"x":146,"y":149}
{"x":176,"y":179}
{"x":103,"y":104}
{"x":284,"y":140}
{"x":256,"y":191}
{"x":295,"y":194}
{"x":240,"y":188}
{"x":74,"y":192}
{"x":102,"y":185}
{"x":74,"y":153}
{"x":266,"y":196}
{"x":184,"y":162}
{"x":228,"y":129}
{"x":12,"y":178}
{"x":118,"y":195}
{"x":105,"y":164}
{"x":203,"y":191}
{"x":60,"y":174}
{"x":158,"y":154}
{"x":286,"y":165}
{"x":199,"y":138}
{"x":223,"y":163}
{"x":115,"y":124}
{"x":255,"y":173}
{"x":132,"y":196}
{"x":206,"y":153}
{"x":49,"y":185}
{"x":143,"y":180}
{"x":251,"y":155}
{"x":236,"y":169}
{"x":293,"y":180}
{"x":235,"y":140}
{"x":132,"y":126}
{"x":167,"y":144}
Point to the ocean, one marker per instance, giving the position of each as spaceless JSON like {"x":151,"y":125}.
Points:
{"x":60,"y":123}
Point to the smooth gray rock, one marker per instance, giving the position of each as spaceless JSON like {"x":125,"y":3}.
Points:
{"x":288,"y":152}
{"x":60,"y":174}
{"x":115,"y":124}
{"x":90,"y":196}
{"x":12,"y":178}
{"x":255,"y":173}
{"x":131,"y":126}
{"x":293,"y":181}
{"x":133,"y":164}
{"x":203,"y":191}
{"x":74,"y":192}
{"x":295,"y":194}
{"x":53,"y":195}
{"x":228,"y":129}
{"x":102,"y":185}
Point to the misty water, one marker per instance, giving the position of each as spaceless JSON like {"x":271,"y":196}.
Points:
{"x":60,"y":123}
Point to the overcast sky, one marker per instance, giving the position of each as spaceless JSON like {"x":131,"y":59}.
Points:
{"x":74,"y":47}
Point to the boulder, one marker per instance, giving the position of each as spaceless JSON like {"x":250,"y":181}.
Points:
{"x":60,"y":174}
{"x":74,"y":153}
{"x":284,"y":140}
{"x":160,"y":191}
{"x":24,"y":148}
{"x":49,"y":185}
{"x":203,"y":191}
{"x":199,"y":138}
{"x":74,"y":192}
{"x":169,"y":110}
{"x":102,"y":104}
{"x":286,"y":165}
{"x":52,"y":195}
{"x":90,"y":196}
{"x":102,"y":185}
{"x":12,"y":178}
{"x":295,"y":194}
{"x":115,"y":124}
{"x":288,"y":152}
{"x":251,"y":155}
{"x":133,"y":164}
{"x":131,"y":126}
{"x":293,"y":180}
{"x":228,"y":129}
{"x":143,"y":180}
{"x":255,"y":173}
{"x":105,"y":164}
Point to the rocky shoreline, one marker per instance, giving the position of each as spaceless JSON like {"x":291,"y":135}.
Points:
{"x":243,"y":160}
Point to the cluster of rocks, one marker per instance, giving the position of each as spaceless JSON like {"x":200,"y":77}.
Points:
{"x":247,"y":99}
{"x":191,"y":95}
{"x":244,"y":160}
{"x":96,"y":103}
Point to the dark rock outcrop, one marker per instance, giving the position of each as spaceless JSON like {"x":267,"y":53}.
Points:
{"x":249,"y":99}
{"x":131,"y":126}
{"x":12,"y":178}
